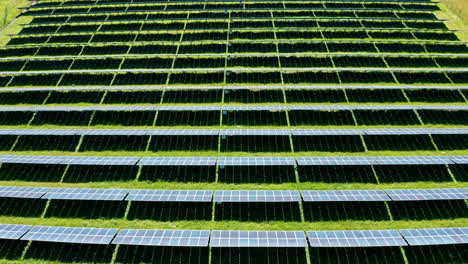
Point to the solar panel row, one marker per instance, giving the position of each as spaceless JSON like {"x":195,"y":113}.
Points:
{"x":235,"y":161}
{"x":225,"y":238}
{"x":232,"y":132}
{"x":232,"y":196}
{"x":228,"y":87}
{"x":230,"y":108}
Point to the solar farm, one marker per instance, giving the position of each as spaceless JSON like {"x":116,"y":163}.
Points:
{"x":234,"y":132}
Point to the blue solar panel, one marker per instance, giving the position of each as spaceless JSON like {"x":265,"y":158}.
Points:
{"x":459,"y":159}
{"x":257,"y":196}
{"x":344,"y":195}
{"x":428,"y":194}
{"x":256,"y":161}
{"x":275,"y":239}
{"x":356,"y":238}
{"x":86,"y":194}
{"x":76,"y":235}
{"x":32,"y":159}
{"x":13,"y":232}
{"x":172,"y":238}
{"x":436,"y":236}
{"x":255,"y":132}
{"x":170,"y":195}
{"x":22,"y":192}
{"x":177,"y":161}
{"x":100,"y":160}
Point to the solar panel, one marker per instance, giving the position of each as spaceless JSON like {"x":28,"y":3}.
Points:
{"x":356,"y":238}
{"x":396,"y":131}
{"x":170,"y":195}
{"x":459,"y":159}
{"x":78,"y":235}
{"x":189,"y":108}
{"x":447,"y":131}
{"x":114,"y":132}
{"x":428,"y":194}
{"x":22,"y":192}
{"x":344,"y":195}
{"x":13,"y":232}
{"x":254,"y":108}
{"x":86,"y":194}
{"x":411,"y":160}
{"x":177,"y":161}
{"x":39,"y":132}
{"x":333,"y":161}
{"x":326,"y":132}
{"x":183,"y":132}
{"x":32,"y":159}
{"x":172,"y":238}
{"x":256,"y":161}
{"x":100,"y":160}
{"x":274,"y":239}
{"x":256,"y":196}
{"x":436,"y":236}
{"x":244,"y":87}
{"x":255,"y":132}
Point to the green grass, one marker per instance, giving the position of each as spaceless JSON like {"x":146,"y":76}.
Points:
{"x":8,"y":13}
{"x":234,"y":225}
{"x":226,"y":186}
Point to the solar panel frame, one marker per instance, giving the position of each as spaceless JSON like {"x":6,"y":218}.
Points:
{"x":75,"y":235}
{"x":345,"y":196}
{"x":23,"y":192}
{"x":170,"y":195}
{"x":177,"y":161}
{"x":101,"y":160}
{"x":114,"y":132}
{"x":183,"y":132}
{"x":436,"y":236}
{"x":459,"y":159}
{"x":86,"y":194}
{"x":255,"y":132}
{"x":32,"y":159}
{"x":264,"y":196}
{"x":396,"y":131}
{"x":256,"y":161}
{"x":447,"y":131}
{"x":163,"y":238}
{"x":326,"y":132}
{"x":255,"y":239}
{"x":13,"y":232}
{"x":428,"y":194}
{"x":334,"y":161}
{"x":356,"y":238}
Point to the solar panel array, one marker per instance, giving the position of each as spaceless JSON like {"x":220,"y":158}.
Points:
{"x":356,"y":238}
{"x":13,"y":232}
{"x":22,"y":192}
{"x":86,"y":194}
{"x":236,"y":239}
{"x":428,"y":194}
{"x":258,"y":239}
{"x":170,"y":195}
{"x":256,"y":196}
{"x":233,"y":195}
{"x":171,"y":238}
{"x":235,"y":161}
{"x":138,"y":108}
{"x":436,"y":236}
{"x":241,"y":63}
{"x":344,"y":195}
{"x":78,"y":235}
